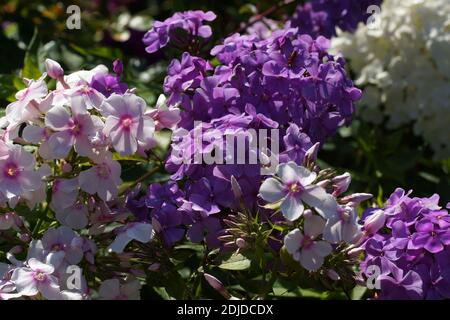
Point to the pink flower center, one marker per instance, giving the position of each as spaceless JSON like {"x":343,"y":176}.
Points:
{"x":40,"y":276}
{"x":11,"y":171}
{"x":126,"y":122}
{"x":103,"y":171}
{"x":295,"y":188}
{"x":307,"y":241}
{"x":75,"y":127}
{"x":57,"y":247}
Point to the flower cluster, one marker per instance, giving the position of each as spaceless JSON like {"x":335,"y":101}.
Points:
{"x":322,"y":17}
{"x":407,"y":244}
{"x":327,"y":217}
{"x":60,"y":151}
{"x":381,"y":58}
{"x":171,"y":30}
{"x":278,"y":81}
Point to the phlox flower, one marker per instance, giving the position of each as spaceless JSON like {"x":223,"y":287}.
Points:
{"x":108,"y":84}
{"x":304,"y":246}
{"x":430,"y":236}
{"x":74,"y":216}
{"x":65,"y":241}
{"x":293,"y":187}
{"x":163,"y":116}
{"x":36,"y":278}
{"x":126,"y":125}
{"x":71,"y":129}
{"x":17,"y":174}
{"x":401,"y":285}
{"x":163,"y":32}
{"x":27,"y":98}
{"x":343,"y":226}
{"x":38,"y":135}
{"x":64,"y":193}
{"x":103,"y":178}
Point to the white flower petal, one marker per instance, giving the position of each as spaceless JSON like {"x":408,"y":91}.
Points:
{"x":314,"y":226}
{"x":318,"y":198}
{"x":293,"y":240}
{"x":288,"y":172}
{"x":24,"y":281}
{"x":310,"y":260}
{"x":35,"y":264}
{"x":272,"y":190}
{"x":321,"y":248}
{"x":292,"y":207}
{"x":306,"y":176}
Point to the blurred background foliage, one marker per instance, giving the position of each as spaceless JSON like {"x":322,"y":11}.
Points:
{"x":378,"y":159}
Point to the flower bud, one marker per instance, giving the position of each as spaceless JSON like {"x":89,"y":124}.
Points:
{"x":25,"y":237}
{"x":311,"y":153}
{"x":341,"y":183}
{"x":323,"y":183}
{"x":154,"y":266}
{"x":217,"y":285}
{"x":374,"y":222}
{"x":333,"y":275}
{"x":356,"y":198}
{"x":307,"y":213}
{"x":137,"y":273}
{"x":54,"y":69}
{"x":354,"y":253}
{"x":118,"y":67}
{"x":241,"y":243}
{"x":237,"y":191}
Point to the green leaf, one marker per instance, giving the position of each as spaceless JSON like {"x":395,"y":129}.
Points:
{"x":7,"y":88}
{"x":190,"y":246}
{"x":236,"y":262}
{"x":273,"y":206}
{"x":358,"y":292}
{"x":161,"y":291}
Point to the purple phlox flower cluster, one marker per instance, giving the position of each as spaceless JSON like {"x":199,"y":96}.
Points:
{"x":270,"y":80}
{"x":409,"y":242}
{"x":109,"y":83}
{"x":322,"y":17}
{"x":278,"y":81}
{"x":180,"y":30}
{"x":216,"y":175}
